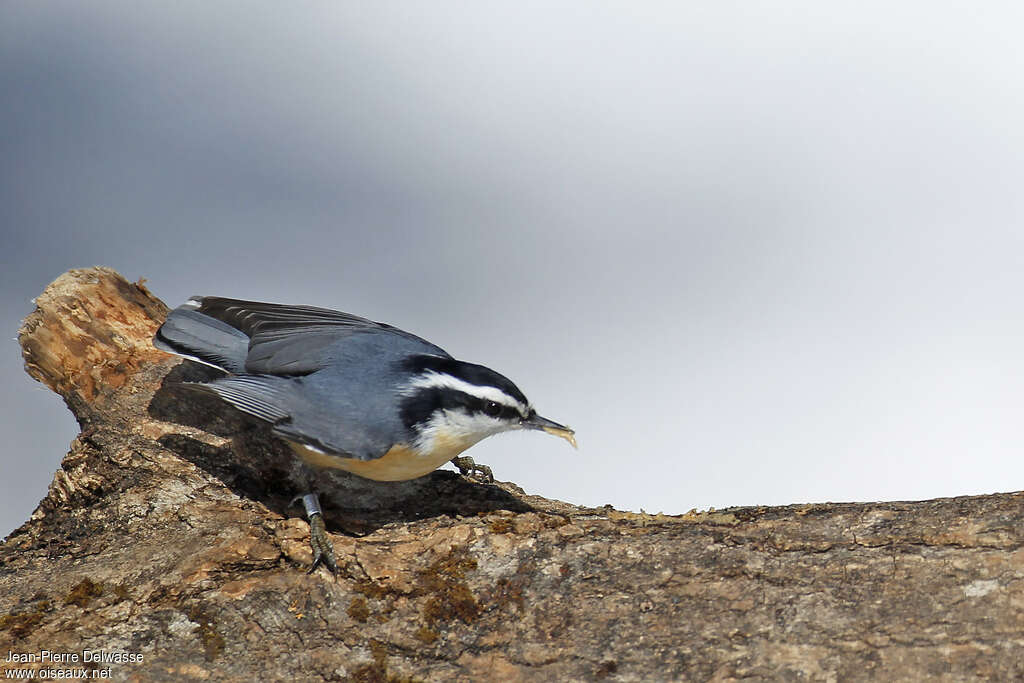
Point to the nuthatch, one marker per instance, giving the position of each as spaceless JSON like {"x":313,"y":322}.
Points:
{"x":346,"y":392}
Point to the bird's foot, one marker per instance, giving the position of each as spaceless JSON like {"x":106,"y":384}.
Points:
{"x":469,"y":468}
{"x":323,"y":549}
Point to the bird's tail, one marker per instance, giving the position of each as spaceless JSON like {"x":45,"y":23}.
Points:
{"x":197,"y":336}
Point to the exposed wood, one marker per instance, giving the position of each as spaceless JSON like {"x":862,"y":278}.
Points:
{"x":167,"y":533}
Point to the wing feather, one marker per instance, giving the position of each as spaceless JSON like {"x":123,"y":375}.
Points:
{"x":293,"y":340}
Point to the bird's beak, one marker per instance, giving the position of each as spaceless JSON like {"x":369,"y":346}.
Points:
{"x":545,"y":425}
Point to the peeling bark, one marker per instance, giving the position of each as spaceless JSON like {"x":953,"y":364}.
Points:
{"x":167,"y":533}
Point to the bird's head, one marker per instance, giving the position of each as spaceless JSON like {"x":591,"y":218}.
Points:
{"x":450,"y":404}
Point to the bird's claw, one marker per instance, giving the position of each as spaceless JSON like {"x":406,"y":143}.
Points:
{"x":469,"y":468}
{"x":323,"y":549}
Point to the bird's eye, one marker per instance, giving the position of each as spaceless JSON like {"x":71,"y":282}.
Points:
{"x":492,"y":408}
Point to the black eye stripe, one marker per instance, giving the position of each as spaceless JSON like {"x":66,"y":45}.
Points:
{"x":499,"y":410}
{"x":420,"y":406}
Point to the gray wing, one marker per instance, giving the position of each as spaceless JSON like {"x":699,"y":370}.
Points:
{"x":298,"y":415}
{"x":295,"y":340}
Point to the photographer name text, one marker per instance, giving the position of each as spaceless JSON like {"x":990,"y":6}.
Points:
{"x":83,"y":657}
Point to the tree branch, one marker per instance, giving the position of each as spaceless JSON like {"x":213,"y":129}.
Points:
{"x":167,"y":533}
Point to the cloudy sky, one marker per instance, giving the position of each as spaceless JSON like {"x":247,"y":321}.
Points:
{"x":755,"y":253}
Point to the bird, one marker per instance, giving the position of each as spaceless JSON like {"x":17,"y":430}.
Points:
{"x":346,"y":392}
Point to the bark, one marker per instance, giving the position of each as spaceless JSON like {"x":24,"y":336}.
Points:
{"x":167,"y":533}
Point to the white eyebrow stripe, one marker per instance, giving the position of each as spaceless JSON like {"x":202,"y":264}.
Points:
{"x":437,"y":380}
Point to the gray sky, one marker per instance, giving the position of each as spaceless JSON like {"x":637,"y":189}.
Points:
{"x":755,"y":253}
